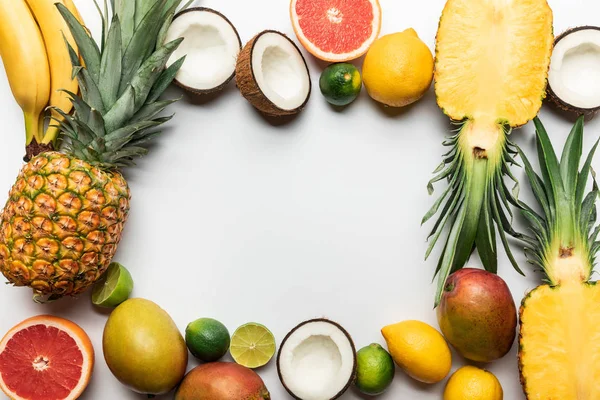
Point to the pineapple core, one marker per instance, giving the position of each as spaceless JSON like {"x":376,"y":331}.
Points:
{"x":560,"y":342}
{"x":491,"y":63}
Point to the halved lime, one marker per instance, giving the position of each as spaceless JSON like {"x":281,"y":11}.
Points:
{"x":113,"y":288}
{"x":252,"y":345}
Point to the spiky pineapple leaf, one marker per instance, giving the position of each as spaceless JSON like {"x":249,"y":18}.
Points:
{"x":96,"y":123}
{"x":121,"y":111}
{"x":449,"y":253}
{"x":87,"y":47}
{"x":549,"y":164}
{"x":571,"y":157}
{"x":485,"y":240}
{"x":119,"y":107}
{"x":164,"y":80}
{"x":110,"y":66}
{"x":90,"y":91}
{"x":142,"y":7}
{"x":150,"y":111}
{"x":150,"y":71}
{"x":572,"y":223}
{"x":125,"y":10}
{"x":141,"y":44}
{"x":582,"y":179}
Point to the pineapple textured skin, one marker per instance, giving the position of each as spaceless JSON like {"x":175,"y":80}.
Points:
{"x":61,"y":224}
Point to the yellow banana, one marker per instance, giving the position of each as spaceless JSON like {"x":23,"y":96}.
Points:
{"x":53,"y":27}
{"x":25,"y":61}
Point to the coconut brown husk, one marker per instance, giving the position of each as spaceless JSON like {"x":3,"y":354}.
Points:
{"x":341,"y":328}
{"x":246,"y":81}
{"x":553,"y":97}
{"x":222,"y":85}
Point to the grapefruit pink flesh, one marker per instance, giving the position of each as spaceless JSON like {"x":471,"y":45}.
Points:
{"x":43,"y":361}
{"x":336,"y":30}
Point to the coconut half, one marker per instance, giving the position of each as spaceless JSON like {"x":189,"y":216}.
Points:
{"x":574,"y":77}
{"x":317,"y":361}
{"x":211,"y":45}
{"x":272,"y":74}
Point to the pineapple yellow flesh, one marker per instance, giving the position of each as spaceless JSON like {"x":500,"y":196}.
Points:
{"x":560,"y":342}
{"x":494,"y":53}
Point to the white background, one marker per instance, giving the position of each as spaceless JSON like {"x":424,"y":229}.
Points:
{"x":240,"y":219}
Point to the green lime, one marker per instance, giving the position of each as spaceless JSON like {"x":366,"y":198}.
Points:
{"x":252,"y":345}
{"x":207,"y":339}
{"x":375,"y":369}
{"x":340,"y":84}
{"x":113,"y":288}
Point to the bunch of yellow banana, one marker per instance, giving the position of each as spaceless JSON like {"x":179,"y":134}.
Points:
{"x":37,"y":61}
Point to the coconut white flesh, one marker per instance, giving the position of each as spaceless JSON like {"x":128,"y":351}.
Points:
{"x":211,"y":46}
{"x":575,"y":69}
{"x":316,"y":361}
{"x":280,"y":71}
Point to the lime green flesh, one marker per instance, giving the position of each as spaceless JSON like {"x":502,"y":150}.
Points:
{"x":207,"y":339}
{"x":340,"y":84}
{"x":375,"y":370}
{"x":113,"y":288}
{"x":252,"y":345}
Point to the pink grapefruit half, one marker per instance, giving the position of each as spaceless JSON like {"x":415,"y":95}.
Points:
{"x":45,"y":358}
{"x":336,"y":30}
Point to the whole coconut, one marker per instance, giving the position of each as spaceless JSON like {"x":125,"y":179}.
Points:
{"x":477,"y":315}
{"x":222,"y":381}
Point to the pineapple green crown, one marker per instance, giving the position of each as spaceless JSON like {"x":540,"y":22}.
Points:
{"x":564,"y":242}
{"x":120,"y":81}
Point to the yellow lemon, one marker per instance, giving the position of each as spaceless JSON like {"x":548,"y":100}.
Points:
{"x":471,"y":383}
{"x":398,"y":69}
{"x":419,"y":350}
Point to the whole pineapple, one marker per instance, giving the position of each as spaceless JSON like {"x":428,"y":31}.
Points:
{"x":65,"y":214}
{"x":559,"y":347}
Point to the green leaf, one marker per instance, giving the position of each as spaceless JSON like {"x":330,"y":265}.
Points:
{"x":130,"y":130}
{"x":164,"y":80}
{"x":549,"y":163}
{"x":110,"y":67}
{"x":82,"y":109}
{"x":450,"y":252}
{"x":89,"y":91}
{"x":170,"y":9}
{"x":455,"y":202}
{"x":142,"y":7}
{"x":142,"y":44}
{"x":537,"y":186}
{"x":149,"y":111}
{"x":121,"y":111}
{"x":145,"y":139}
{"x":485,"y":240}
{"x":96,"y":123}
{"x":571,"y":156}
{"x":475,"y":195}
{"x":150,"y":70}
{"x":587,"y":208}
{"x":584,"y":175}
{"x":500,"y":222}
{"x":125,"y":9}
{"x":87,"y":46}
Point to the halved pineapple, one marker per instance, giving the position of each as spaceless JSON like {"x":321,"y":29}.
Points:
{"x":560,"y":346}
{"x":559,"y":353}
{"x":492,"y":60}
